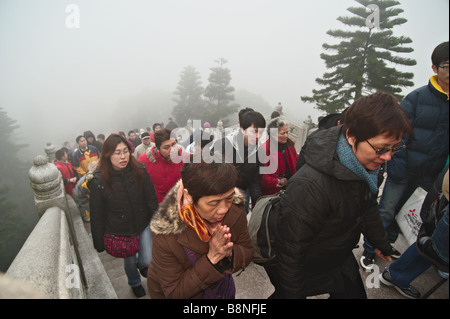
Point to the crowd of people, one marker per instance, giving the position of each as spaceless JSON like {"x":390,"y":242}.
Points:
{"x":182,"y":224}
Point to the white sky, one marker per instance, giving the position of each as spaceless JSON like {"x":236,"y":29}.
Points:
{"x":126,"y":46}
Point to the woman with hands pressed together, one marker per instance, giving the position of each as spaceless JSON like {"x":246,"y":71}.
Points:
{"x":200,"y":235}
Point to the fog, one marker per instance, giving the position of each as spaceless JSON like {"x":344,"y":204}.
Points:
{"x":58,"y":81}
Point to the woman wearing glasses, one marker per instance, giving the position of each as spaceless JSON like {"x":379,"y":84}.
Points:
{"x":332,"y":200}
{"x":122,"y":202}
{"x":427,"y":109}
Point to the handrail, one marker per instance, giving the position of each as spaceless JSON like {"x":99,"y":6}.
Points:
{"x":58,"y":257}
{"x":47,"y":259}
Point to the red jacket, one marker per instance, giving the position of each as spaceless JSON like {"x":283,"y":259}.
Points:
{"x":163,"y":173}
{"x":67,"y":172}
{"x":269,"y":181}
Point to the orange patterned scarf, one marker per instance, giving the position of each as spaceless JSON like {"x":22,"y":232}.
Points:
{"x":190,"y":216}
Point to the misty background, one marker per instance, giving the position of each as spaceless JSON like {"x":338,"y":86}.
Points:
{"x":58,"y":82}
{"x":125,"y":59}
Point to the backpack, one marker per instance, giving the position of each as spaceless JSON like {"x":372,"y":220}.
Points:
{"x":435,"y":205}
{"x":432,"y":217}
{"x":262,"y":228}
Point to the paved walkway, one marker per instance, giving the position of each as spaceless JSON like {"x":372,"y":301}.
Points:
{"x":253,"y":283}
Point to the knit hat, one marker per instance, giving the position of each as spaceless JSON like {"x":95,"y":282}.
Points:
{"x":206,"y":125}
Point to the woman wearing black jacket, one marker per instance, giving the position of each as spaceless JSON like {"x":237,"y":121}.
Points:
{"x":332,"y":199}
{"x":122,"y":203}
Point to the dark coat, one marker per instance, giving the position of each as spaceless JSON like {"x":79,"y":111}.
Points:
{"x":170,"y":274}
{"x":126,"y":210}
{"x":322,"y":214}
{"x":427,"y":109}
{"x":98,"y":145}
{"x":231,"y":149}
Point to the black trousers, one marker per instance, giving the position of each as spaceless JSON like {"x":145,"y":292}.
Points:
{"x":353,"y":289}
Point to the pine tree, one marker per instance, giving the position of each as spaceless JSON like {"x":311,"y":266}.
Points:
{"x":16,"y":197}
{"x":219,"y":94}
{"x":9,"y":154}
{"x":189,"y":92}
{"x":362,"y":61}
{"x":9,"y":220}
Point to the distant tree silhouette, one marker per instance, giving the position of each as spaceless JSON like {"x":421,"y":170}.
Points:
{"x":17,"y":212}
{"x":189,"y":97}
{"x":219,"y":94}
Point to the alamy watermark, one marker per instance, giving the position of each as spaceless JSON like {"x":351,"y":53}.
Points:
{"x":373,"y":279}
{"x":373,"y":20}
{"x":73,"y":277}
{"x":73,"y":17}
{"x":237,"y":149}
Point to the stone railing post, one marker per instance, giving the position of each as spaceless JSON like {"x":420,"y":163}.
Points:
{"x":47,"y":184}
{"x":52,"y":259}
{"x":189,"y":125}
{"x":308,"y":124}
{"x":279,"y":108}
{"x":220,"y":128}
{"x":304,"y":131}
{"x":50,"y":150}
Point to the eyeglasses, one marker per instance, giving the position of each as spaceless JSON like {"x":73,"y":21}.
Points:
{"x":119,"y":154}
{"x":381,"y":151}
{"x":445,"y":67}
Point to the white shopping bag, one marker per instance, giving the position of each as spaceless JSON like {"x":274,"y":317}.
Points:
{"x":408,"y":219}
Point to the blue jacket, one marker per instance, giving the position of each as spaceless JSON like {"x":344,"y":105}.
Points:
{"x":428,"y":145}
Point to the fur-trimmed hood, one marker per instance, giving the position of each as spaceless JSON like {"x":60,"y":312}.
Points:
{"x":152,"y":154}
{"x":166,"y":220}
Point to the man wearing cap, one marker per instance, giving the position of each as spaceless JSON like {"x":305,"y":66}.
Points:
{"x":146,"y":144}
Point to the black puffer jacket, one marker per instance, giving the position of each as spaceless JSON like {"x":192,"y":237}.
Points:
{"x":322,"y":214}
{"x":127,"y":210}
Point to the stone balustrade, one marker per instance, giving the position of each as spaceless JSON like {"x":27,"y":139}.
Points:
{"x":47,"y":259}
{"x":58,"y":259}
